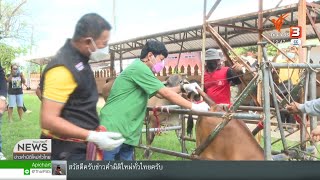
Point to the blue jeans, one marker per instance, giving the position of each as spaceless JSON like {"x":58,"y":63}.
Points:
{"x":123,"y":152}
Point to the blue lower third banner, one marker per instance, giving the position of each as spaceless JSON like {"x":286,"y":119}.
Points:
{"x":193,"y":170}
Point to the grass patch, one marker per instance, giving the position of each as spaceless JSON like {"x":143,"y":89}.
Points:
{"x":167,"y":140}
{"x":18,"y":130}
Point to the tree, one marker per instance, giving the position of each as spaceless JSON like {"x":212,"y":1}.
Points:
{"x":9,"y":53}
{"x":271,"y":50}
{"x":243,"y":50}
{"x":12,"y":23}
{"x":13,"y":27}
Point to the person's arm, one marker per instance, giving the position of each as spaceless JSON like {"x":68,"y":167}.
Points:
{"x":175,"y":98}
{"x":232,"y":77}
{"x":23,"y":80}
{"x":311,"y":107}
{"x":151,"y":85}
{"x":38,"y":93}
{"x":51,"y":120}
{"x":27,"y":87}
{"x":176,"y":89}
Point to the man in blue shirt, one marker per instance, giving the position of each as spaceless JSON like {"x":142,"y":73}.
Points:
{"x":310,"y":107}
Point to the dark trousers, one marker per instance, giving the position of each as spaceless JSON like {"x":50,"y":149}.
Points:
{"x":65,"y":150}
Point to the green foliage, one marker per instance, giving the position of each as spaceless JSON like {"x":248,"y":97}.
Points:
{"x":13,"y":28}
{"x":243,"y":50}
{"x":271,"y":50}
{"x":9,"y":53}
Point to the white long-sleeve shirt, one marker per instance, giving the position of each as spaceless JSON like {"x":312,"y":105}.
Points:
{"x":311,"y":107}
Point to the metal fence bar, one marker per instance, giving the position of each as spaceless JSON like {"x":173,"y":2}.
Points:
{"x":171,"y":128}
{"x":295,"y":65}
{"x":215,"y":114}
{"x":266,"y":102}
{"x":183,"y":134}
{"x":165,"y":151}
{"x":186,"y":138}
{"x":276,"y":105}
{"x":148,"y":140}
{"x":313,"y":89}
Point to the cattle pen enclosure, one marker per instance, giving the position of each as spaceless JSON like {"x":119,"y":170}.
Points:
{"x":296,"y":152}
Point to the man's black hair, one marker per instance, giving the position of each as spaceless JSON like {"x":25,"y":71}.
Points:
{"x":91,"y":25}
{"x":155,"y":47}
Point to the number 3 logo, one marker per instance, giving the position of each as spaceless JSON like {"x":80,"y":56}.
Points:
{"x":295,"y":32}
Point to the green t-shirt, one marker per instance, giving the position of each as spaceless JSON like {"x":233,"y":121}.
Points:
{"x":125,"y":109}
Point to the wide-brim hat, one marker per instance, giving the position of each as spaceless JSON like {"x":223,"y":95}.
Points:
{"x":212,"y":54}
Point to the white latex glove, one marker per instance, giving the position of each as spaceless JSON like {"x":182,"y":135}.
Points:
{"x":200,"y":107}
{"x":106,"y":140}
{"x":191,"y":87}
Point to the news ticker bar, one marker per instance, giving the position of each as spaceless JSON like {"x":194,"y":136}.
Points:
{"x":194,"y":170}
{"x":185,"y":170}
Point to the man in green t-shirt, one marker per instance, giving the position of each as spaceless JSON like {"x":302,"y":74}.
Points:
{"x":125,"y":109}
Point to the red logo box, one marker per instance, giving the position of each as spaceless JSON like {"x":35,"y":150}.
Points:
{"x":295,"y":32}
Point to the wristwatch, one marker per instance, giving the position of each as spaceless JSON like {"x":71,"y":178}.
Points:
{"x":3,"y":98}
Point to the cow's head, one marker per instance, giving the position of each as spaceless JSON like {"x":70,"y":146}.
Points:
{"x":174,"y":80}
{"x":192,"y":96}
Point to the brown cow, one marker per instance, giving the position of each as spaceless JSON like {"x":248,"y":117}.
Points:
{"x":234,"y":142}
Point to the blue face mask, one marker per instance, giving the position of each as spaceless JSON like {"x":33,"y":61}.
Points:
{"x":291,"y":55}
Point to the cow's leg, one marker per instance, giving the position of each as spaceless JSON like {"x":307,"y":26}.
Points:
{"x":153,"y":124}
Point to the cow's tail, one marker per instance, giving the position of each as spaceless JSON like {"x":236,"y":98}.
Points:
{"x":189,"y":125}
